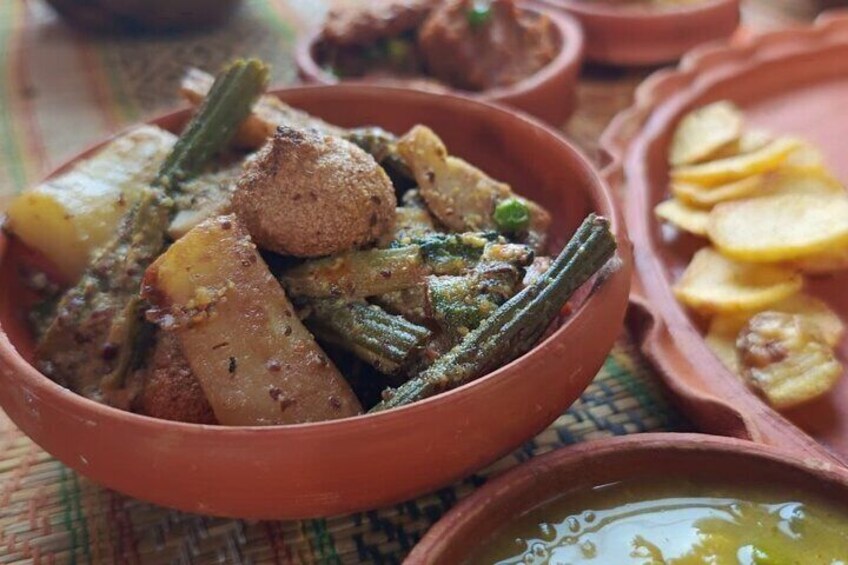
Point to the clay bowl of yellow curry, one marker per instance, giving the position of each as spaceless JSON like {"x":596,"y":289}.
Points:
{"x":522,"y":54}
{"x":309,"y":302}
{"x":681,"y":499}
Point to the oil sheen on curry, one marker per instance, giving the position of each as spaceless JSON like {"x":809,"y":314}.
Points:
{"x":676,"y":523}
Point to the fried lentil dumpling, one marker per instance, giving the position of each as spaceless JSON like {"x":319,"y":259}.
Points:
{"x":308,"y":194}
{"x":353,"y":22}
{"x":170,"y":390}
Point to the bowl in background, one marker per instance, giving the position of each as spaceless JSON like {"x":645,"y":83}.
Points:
{"x":640,"y":35}
{"x":122,"y":16}
{"x":548,"y":94}
{"x":368,"y":461}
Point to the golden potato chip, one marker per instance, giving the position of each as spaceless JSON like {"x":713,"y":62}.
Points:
{"x":723,"y":171}
{"x":714,"y":284}
{"x":707,"y":197}
{"x":785,"y":358}
{"x":829,"y":261}
{"x":684,"y":217}
{"x":724,"y":328}
{"x":805,"y":159}
{"x":749,"y":141}
{"x":721,"y":339}
{"x":815,"y":311}
{"x":802,"y":182}
{"x":704,"y":131}
{"x":779,"y":227}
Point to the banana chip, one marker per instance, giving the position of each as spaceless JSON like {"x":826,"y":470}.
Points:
{"x":714,"y":284}
{"x":684,"y":217}
{"x":723,"y":171}
{"x":707,"y":197}
{"x":780,"y":227}
{"x":705,"y":131}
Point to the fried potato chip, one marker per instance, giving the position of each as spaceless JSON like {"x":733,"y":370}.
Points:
{"x":714,"y":284}
{"x":830,"y":261}
{"x":785,"y":358}
{"x":815,"y":311}
{"x":704,"y":131}
{"x":706,"y":197}
{"x":805,"y":159}
{"x":684,"y":217}
{"x":790,"y":181}
{"x":721,"y":339}
{"x":749,"y":141}
{"x":779,"y":227}
{"x":723,"y":171}
{"x":724,"y":328}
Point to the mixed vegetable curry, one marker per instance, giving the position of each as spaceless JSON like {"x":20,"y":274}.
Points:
{"x":466,"y":44}
{"x":191,"y":275}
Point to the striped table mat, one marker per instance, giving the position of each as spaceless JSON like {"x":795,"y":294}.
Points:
{"x":62,"y":91}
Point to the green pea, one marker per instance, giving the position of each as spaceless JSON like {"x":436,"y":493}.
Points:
{"x":479,"y":14}
{"x":398,"y":50}
{"x":512,"y":215}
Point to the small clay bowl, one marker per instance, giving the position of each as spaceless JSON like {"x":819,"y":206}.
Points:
{"x":548,"y":94}
{"x":134,"y":16}
{"x":457,"y":536}
{"x":368,"y":461}
{"x":642,"y":35}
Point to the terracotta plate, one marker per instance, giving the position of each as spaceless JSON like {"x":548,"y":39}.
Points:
{"x":548,"y":94}
{"x":368,"y":461}
{"x":793,"y":82}
{"x":643,"y":35}
{"x":459,"y":534}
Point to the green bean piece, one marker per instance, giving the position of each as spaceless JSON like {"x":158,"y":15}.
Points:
{"x":514,"y":327}
{"x":357,"y":274}
{"x":384,"y":341}
{"x":98,"y":329}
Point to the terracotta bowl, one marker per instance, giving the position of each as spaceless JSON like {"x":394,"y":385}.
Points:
{"x":131,"y":16}
{"x":456,"y":537}
{"x":634,"y":36}
{"x":549,"y":94}
{"x":792,"y":82}
{"x":368,"y":461}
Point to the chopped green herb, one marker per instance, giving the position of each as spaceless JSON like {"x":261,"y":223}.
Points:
{"x":479,"y":14}
{"x":397,"y":50}
{"x":512,"y":215}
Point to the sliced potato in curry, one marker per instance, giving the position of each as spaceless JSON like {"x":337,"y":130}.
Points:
{"x":687,"y":218}
{"x":256,"y":362}
{"x":780,"y":227}
{"x":461,"y":196}
{"x":714,"y":284}
{"x":69,"y":217}
{"x":704,"y":131}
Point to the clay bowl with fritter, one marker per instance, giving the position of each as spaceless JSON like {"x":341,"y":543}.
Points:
{"x":368,"y":461}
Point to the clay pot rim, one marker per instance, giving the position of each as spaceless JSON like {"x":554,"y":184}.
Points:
{"x":568,"y":59}
{"x":28,"y":376}
{"x":639,"y":13}
{"x":447,"y":532}
{"x":623,"y":143}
